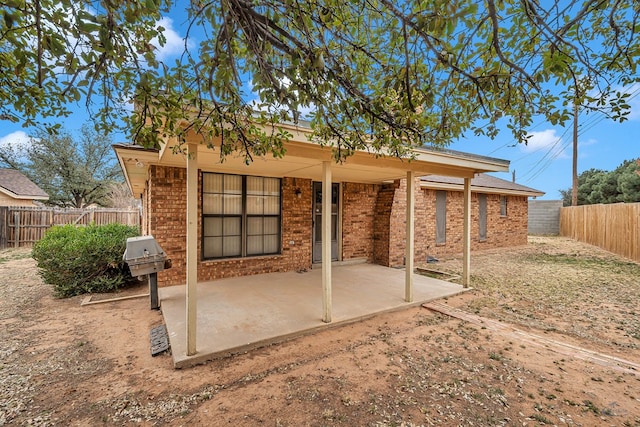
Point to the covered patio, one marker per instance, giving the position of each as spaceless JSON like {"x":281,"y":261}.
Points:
{"x":196,"y":312}
{"x":239,"y":314}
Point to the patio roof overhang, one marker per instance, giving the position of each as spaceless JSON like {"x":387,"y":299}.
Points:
{"x":304,"y":159}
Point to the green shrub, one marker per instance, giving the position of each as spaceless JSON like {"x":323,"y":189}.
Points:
{"x":77,"y":260}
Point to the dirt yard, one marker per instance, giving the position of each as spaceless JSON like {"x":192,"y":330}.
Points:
{"x":63,"y":364}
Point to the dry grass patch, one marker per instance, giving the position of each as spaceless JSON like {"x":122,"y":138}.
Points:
{"x":557,"y":284}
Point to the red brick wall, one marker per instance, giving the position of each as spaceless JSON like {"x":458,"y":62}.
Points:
{"x":511,"y":230}
{"x":398,"y":223}
{"x":166,"y":216}
{"x":373,"y":225}
{"x":501,"y":231}
{"x":358,"y":206}
{"x":381,"y":223}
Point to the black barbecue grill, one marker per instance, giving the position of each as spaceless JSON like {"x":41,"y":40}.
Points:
{"x":144,"y":256}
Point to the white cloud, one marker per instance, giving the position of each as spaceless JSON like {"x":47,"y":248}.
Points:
{"x":547,"y":141}
{"x":174,"y":44}
{"x":14,"y":139}
{"x":15,"y":145}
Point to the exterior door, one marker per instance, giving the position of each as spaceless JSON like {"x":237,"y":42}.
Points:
{"x":317,"y":221}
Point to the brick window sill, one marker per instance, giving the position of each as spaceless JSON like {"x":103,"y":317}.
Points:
{"x":245,"y":258}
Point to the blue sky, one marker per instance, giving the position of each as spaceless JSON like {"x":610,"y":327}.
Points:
{"x":544,"y":164}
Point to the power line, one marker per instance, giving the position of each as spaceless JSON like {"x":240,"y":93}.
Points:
{"x":551,"y":151}
{"x":549,"y":161}
{"x":586,"y":125}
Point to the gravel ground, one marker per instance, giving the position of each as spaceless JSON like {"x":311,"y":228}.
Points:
{"x":63,"y":364}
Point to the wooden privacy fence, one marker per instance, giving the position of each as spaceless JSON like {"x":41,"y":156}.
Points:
{"x":613,"y":227}
{"x":25,"y":225}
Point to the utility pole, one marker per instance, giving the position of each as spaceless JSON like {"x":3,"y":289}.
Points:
{"x":574,"y":189}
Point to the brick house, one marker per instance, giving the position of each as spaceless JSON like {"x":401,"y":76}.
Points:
{"x":499,"y":214}
{"x":18,"y":190}
{"x":219,"y":219}
{"x":368,"y":219}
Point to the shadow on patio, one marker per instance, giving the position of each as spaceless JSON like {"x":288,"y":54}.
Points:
{"x":239,"y":314}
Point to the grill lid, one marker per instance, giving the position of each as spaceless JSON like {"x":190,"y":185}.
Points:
{"x":139,"y":248}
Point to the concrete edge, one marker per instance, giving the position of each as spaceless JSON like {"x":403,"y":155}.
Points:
{"x":199,"y":359}
{"x":352,"y":261}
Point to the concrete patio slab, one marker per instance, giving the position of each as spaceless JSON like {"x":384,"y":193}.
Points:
{"x":239,"y":314}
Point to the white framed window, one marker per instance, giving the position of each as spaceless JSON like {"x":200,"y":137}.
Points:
{"x":241,"y":215}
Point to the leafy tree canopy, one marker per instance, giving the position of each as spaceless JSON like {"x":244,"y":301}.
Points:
{"x":377,"y":74}
{"x":75,"y":173}
{"x":598,"y":186}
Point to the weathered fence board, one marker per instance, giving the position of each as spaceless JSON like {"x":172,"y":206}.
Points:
{"x":25,"y":225}
{"x":614,"y":227}
{"x":4,"y":214}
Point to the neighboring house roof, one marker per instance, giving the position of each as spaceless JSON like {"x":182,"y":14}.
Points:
{"x":18,"y":186}
{"x":482,"y":183}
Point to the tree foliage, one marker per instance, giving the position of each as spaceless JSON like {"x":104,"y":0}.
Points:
{"x":377,"y":74}
{"x":54,"y":52}
{"x":74,"y":172}
{"x":119,"y":196}
{"x":598,"y":186}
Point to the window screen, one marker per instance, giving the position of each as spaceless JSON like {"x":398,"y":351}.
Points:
{"x":241,"y":215}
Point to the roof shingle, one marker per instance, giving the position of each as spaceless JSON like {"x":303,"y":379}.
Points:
{"x":16,"y":183}
{"x":482,"y":181}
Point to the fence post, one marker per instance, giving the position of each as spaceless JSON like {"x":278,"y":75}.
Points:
{"x":4,"y":226}
{"x":16,"y":226}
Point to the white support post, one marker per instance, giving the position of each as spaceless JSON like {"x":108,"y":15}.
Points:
{"x":409,"y":247}
{"x":466,"y":246}
{"x":192,"y":246}
{"x":326,"y":242}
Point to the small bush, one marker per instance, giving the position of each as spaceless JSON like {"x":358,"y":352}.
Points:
{"x":77,"y":260}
